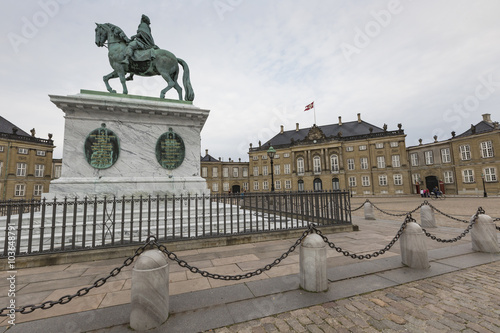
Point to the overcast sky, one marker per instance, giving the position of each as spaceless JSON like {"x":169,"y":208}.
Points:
{"x":433,"y":66}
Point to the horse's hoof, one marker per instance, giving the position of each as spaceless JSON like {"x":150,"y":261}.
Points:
{"x":113,"y":91}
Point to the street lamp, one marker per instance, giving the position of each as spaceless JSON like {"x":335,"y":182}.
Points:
{"x":271,"y":152}
{"x":484,"y":186}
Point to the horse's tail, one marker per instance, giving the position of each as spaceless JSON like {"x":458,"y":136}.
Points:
{"x":186,"y":81}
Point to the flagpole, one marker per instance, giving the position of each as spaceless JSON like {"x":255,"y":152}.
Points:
{"x":314,"y":108}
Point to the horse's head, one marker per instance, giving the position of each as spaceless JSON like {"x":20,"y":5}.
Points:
{"x":101,"y":35}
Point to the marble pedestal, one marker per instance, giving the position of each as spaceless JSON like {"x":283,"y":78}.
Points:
{"x":137,"y":122}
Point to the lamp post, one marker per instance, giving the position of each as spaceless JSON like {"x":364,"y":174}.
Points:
{"x":484,"y":186}
{"x":270,"y":152}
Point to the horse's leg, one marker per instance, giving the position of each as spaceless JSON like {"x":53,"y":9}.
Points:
{"x":171,"y":83}
{"x":123,"y":80}
{"x":106,"y":78}
{"x":177,"y":86}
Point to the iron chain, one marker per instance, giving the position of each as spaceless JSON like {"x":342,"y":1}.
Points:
{"x":353,"y":210}
{"x":447,"y":215}
{"x":480,"y":210}
{"x":402,"y":214}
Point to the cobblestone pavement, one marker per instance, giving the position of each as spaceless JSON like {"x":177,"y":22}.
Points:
{"x":463,"y":301}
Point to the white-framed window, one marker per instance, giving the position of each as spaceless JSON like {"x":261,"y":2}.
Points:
{"x":225,"y":172}
{"x":286,"y":154}
{"x":264,"y":170}
{"x":225,"y":187}
{"x":235,"y":172}
{"x":300,"y":166}
{"x":380,"y":162}
{"x":394,"y":144}
{"x":245,"y":186}
{"x":265,"y":185}
{"x":276,"y":156}
{"x":364,"y":163}
{"x":256,"y":186}
{"x":277,"y":169}
{"x":334,"y":162}
{"x":352,"y":181}
{"x":318,"y":184}
{"x":486,"y":149}
{"x":255,"y":158}
{"x":286,"y":169}
{"x":57,"y":171}
{"x":40,"y":153}
{"x":362,"y":147}
{"x":38,"y":190}
{"x":264,"y":157}
{"x":23,"y":151}
{"x":245,"y":172}
{"x":39,"y":170}
{"x":448,"y":177}
{"x":445,"y":155}
{"x":204,"y":172}
{"x":215,"y":187}
{"x":379,"y":145}
{"x":468,"y":175}
{"x":21,"y":169}
{"x":398,"y":179}
{"x":215,"y":172}
{"x":429,"y":157}
{"x":415,"y":178}
{"x":465,"y":152}
{"x":20,"y":190}
{"x":255,"y":171}
{"x":317,"y":165}
{"x":1,"y":148}
{"x":414,"y":159}
{"x":277,"y":184}
{"x":490,"y":174}
{"x":350,"y":164}
{"x":349,"y":148}
{"x":365,"y":181}
{"x":300,"y":185}
{"x":396,"y":163}
{"x":288,"y":184}
{"x":382,"y":180}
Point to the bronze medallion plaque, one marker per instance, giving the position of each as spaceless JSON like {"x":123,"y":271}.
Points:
{"x":170,"y":150}
{"x":102,"y":148}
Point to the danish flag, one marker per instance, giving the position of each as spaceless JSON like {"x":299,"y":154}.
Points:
{"x":309,"y":106}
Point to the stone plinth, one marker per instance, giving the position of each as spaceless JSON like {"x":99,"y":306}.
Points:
{"x":368,"y":209}
{"x":413,"y":248}
{"x":136,"y":124}
{"x":313,"y":264}
{"x":484,"y":235}
{"x":427,"y":217}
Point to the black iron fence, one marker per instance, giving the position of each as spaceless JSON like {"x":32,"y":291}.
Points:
{"x":33,"y":227}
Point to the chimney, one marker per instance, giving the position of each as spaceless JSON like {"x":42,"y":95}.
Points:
{"x":296,"y":127}
{"x":282,"y":129}
{"x":487,"y":118}
{"x":206,"y":152}
{"x":359,"y":117}
{"x":340,"y":121}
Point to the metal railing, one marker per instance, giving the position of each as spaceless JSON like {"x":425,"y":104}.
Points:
{"x":71,"y":225}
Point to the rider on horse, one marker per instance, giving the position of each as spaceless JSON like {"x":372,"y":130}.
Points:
{"x":142,"y":41}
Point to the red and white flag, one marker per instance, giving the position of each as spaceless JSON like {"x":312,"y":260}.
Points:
{"x":309,"y":106}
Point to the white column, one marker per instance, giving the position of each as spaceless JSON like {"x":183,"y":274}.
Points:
{"x":313,"y":264}
{"x":367,"y":207}
{"x":484,"y":235}
{"x":427,"y":217}
{"x":413,"y":248}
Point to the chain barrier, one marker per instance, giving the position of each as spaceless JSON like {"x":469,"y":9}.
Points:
{"x":81,"y":292}
{"x":353,"y":210}
{"x":480,"y":210}
{"x":447,"y":215}
{"x":402,"y":214}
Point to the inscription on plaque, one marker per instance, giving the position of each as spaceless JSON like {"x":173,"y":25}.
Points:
{"x":102,"y":148}
{"x":170,"y":150}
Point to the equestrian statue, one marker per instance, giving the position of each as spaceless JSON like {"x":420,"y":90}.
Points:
{"x":140,"y":56}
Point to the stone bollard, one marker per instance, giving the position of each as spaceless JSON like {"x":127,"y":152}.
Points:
{"x":413,"y":248}
{"x":368,"y":211}
{"x":313,"y":264}
{"x":484,"y":235}
{"x":427,"y":217}
{"x":149,"y":291}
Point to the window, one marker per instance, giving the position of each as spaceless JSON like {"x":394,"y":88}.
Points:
{"x":40,"y":153}
{"x":245,"y":172}
{"x":448,"y":177}
{"x":465,"y":152}
{"x":235,"y":172}
{"x":364,"y":162}
{"x":204,"y":172}
{"x":215,"y":172}
{"x":394,"y":144}
{"x":349,"y":148}
{"x":215,"y":187}
{"x":317,"y":165}
{"x":39,"y":170}
{"x":286,"y":154}
{"x":287,"y":169}
{"x":225,"y":187}
{"x":265,"y":185}
{"x":300,"y":185}
{"x":225,"y":172}
{"x":256,"y":171}
{"x":490,"y":174}
{"x":277,"y":169}
{"x":396,"y":163}
{"x":365,"y":181}
{"x":486,"y":149}
{"x":38,"y":190}
{"x":264,"y":157}
{"x":380,"y":162}
{"x":379,"y":145}
{"x":19,"y":190}
{"x":398,"y":179}
{"x":415,"y":178}
{"x":334,"y":162}
{"x":445,"y":155}
{"x":245,"y":186}
{"x":414,"y":159}
{"x":277,"y":184}
{"x":276,"y":156}
{"x":352,"y":181}
{"x":256,"y":186}
{"x":335,"y":184}
{"x":1,"y":148}
{"x":57,"y":171}
{"x":350,"y":164}
{"x":23,"y":151}
{"x":264,"y":170}
{"x":300,"y":166}
{"x":21,"y":169}
{"x":382,"y":180}
{"x":362,"y":147}
{"x":318,"y":184}
{"x":468,"y":175}
{"x":288,"y":184}
{"x":255,"y":158}
{"x":429,"y":158}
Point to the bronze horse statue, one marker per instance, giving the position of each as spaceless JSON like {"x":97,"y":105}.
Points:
{"x":161,"y":62}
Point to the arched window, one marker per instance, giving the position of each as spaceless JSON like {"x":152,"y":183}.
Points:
{"x":334,"y":163}
{"x":318,"y":185}
{"x":335,"y":184}
{"x":300,"y":166}
{"x":300,"y":185}
{"x":317,"y":165}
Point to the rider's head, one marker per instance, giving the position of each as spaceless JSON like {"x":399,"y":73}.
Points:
{"x":145,"y":19}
